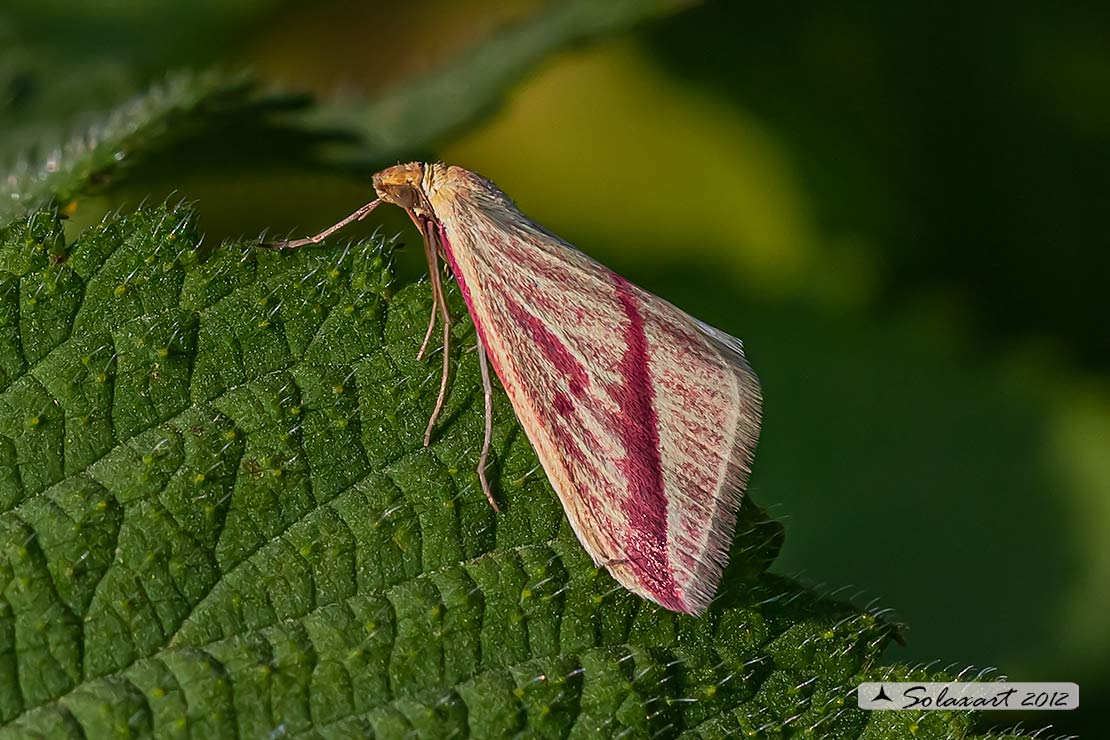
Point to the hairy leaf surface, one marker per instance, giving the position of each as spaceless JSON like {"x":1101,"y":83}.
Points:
{"x":219,"y":520}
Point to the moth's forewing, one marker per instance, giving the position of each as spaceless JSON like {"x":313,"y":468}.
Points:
{"x":644,"y":419}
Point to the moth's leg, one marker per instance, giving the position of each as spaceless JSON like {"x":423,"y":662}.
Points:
{"x":445,"y":316}
{"x":429,"y":252}
{"x":487,"y":390}
{"x":358,"y":215}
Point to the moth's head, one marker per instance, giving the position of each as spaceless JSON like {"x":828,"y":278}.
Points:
{"x":400,"y":184}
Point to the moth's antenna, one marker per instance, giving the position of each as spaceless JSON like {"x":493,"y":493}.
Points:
{"x":358,"y":215}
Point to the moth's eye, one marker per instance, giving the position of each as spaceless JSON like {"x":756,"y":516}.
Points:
{"x":404,"y":195}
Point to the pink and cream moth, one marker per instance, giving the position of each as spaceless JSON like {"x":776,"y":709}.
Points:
{"x":644,"y":418}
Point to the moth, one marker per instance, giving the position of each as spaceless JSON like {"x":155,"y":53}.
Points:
{"x":644,"y":418}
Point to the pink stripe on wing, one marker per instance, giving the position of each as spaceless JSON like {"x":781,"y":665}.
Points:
{"x":552,"y":347}
{"x":646,"y":502}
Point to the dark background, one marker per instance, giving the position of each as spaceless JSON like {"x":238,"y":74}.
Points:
{"x":901,"y":209}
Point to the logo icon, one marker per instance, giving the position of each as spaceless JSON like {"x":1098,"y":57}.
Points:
{"x":881,"y":696}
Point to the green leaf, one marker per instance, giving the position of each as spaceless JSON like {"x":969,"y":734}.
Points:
{"x":40,"y":93}
{"x":220,"y":521}
{"x":70,"y":167}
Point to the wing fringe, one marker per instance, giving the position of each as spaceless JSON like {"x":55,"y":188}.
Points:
{"x":707,"y":575}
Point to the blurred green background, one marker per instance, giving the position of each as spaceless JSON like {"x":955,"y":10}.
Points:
{"x":901,"y":209}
